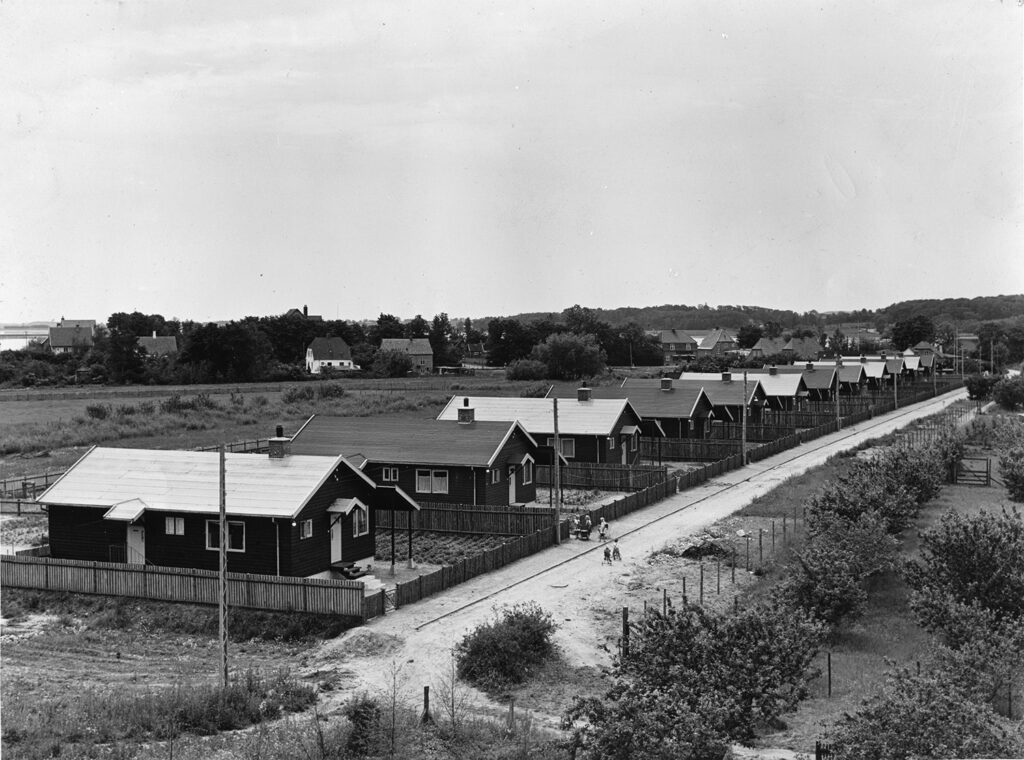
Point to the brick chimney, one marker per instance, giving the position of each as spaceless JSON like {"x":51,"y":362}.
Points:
{"x":863,"y":359}
{"x":727,"y":377}
{"x":666,"y":383}
{"x":583,"y":393}
{"x":809,"y":365}
{"x":773,"y":370}
{"x":466,"y":415}
{"x":279,"y":446}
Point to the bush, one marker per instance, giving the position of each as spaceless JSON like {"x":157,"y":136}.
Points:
{"x":297,"y":394}
{"x":98,"y":411}
{"x":330,"y":390}
{"x":504,"y":652}
{"x":526,"y":369}
{"x":364,"y":713}
{"x":980,"y":387}
{"x":1009,"y":393}
{"x":1011,"y":465}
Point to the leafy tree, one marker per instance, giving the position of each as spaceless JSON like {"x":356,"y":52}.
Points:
{"x":570,"y":357}
{"x":507,"y":340}
{"x":447,"y":352}
{"x":910,"y":332}
{"x":526,"y":369}
{"x":939,"y":712}
{"x":418,"y":327}
{"x":772,"y":329}
{"x":505,"y":651}
{"x":471,"y":334}
{"x":392,"y":364}
{"x":388,"y":326}
{"x":696,"y":681}
{"x":235,"y":352}
{"x":828,"y":577}
{"x":979,"y":387}
{"x":1009,"y":392}
{"x":748,"y":335}
{"x":974,"y":561}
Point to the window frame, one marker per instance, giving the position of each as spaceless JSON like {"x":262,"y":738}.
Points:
{"x":216,"y":532}
{"x":389,"y":475}
{"x":432,"y":484}
{"x":174,"y":526}
{"x":360,"y":515}
{"x":495,"y":475}
{"x":306,"y":529}
{"x":565,"y":442}
{"x":527,"y":469}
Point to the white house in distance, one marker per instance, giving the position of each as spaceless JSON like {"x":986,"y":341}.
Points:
{"x":330,"y":353}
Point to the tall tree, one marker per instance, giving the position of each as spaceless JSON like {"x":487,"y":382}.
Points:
{"x":388,"y":326}
{"x":569,"y":356}
{"x":417,"y":327}
{"x":910,"y":332}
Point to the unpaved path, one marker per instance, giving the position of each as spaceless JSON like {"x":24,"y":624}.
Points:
{"x":570,"y":581}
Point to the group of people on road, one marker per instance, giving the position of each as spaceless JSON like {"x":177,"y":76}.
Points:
{"x":581,"y":528}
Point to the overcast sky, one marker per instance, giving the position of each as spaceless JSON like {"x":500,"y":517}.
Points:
{"x":218,"y":159}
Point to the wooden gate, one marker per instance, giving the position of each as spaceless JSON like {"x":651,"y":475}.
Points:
{"x":974,"y":471}
{"x":390,"y":600}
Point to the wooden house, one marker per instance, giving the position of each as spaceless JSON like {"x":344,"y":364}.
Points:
{"x":766,"y":347}
{"x":589,"y":429}
{"x":286,"y":514}
{"x":465,"y":461}
{"x":725,"y":390}
{"x":677,"y":345}
{"x":667,"y":410}
{"x":820,"y":381}
{"x":784,"y":391}
{"x":156,"y":346}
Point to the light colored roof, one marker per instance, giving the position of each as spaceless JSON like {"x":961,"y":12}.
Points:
{"x":714,"y":337}
{"x":816,"y":378}
{"x":594,"y":417}
{"x":344,"y":506}
{"x":414,"y":346}
{"x":129,"y":511}
{"x":652,"y":401}
{"x":785,"y":385}
{"x":188,"y":481}
{"x":913,"y":363}
{"x":720,"y":392}
{"x":873,"y":369}
{"x":406,"y":441}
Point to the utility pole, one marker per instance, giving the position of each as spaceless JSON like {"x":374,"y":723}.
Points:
{"x":556,"y":464}
{"x":223,"y":574}
{"x":839,"y":364}
{"x":895,"y":392}
{"x":743,"y":431}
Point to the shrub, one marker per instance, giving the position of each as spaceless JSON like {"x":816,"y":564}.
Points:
{"x":526,"y":369}
{"x":330,"y":390}
{"x":1009,"y":393}
{"x":1011,"y":465}
{"x":364,"y":713}
{"x":295,"y":394}
{"x":504,"y":652}
{"x":980,"y":387}
{"x":98,"y":411}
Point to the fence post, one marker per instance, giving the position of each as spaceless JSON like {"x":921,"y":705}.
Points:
{"x":829,"y":656}
{"x":425,"y":717}
{"x":625,"y":633}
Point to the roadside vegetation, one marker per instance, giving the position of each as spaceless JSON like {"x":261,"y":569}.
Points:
{"x":507,"y":650}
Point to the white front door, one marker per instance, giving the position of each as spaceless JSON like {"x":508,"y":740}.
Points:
{"x":336,"y":540}
{"x":511,"y":484}
{"x":136,"y":545}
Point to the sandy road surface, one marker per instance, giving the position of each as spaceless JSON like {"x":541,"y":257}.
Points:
{"x":583,"y":594}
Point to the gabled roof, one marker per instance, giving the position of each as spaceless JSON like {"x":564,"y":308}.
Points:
{"x":769,"y":346}
{"x":852,"y":373}
{"x":874,"y":369}
{"x":595,"y":417}
{"x":815,"y":378}
{"x":780,"y":385}
{"x":676,"y":336}
{"x":720,"y":392}
{"x":70,"y":337}
{"x":714,"y":337}
{"x":406,"y":441}
{"x":159,"y":345}
{"x":912,"y":363}
{"x":330,"y":348}
{"x":189,"y":481}
{"x":804,"y":348}
{"x":413,"y":346}
{"x":680,"y":403}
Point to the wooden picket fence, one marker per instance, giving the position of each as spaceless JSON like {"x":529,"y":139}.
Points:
{"x":468,"y":519}
{"x":604,"y":476}
{"x":176,"y":584}
{"x":687,"y":449}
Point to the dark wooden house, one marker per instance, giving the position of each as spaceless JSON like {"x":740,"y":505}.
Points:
{"x":286,"y":514}
{"x":465,"y":461}
{"x":589,"y":429}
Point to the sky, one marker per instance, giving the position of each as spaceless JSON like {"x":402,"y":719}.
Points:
{"x":212,"y":160}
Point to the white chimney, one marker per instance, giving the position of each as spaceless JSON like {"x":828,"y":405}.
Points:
{"x":666,"y":383}
{"x":583,"y":393}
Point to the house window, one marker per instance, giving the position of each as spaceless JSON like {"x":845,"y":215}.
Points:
{"x":432,"y":481}
{"x":236,"y":535}
{"x":360,"y":522}
{"x":174,"y":526}
{"x":634,"y":442}
{"x":306,"y":529}
{"x":527,"y":471}
{"x":389,"y":474}
{"x":611,"y":443}
{"x":568,"y":446}
{"x":496,"y":475}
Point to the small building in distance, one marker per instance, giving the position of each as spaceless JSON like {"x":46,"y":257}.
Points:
{"x":330,"y":354}
{"x":158,"y":345}
{"x":71,"y":335}
{"x":418,"y":349}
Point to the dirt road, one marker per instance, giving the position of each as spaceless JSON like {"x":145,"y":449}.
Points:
{"x":570,"y":580}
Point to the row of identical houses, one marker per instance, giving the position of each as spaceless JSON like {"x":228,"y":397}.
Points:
{"x":309,"y":507}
